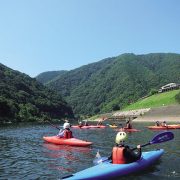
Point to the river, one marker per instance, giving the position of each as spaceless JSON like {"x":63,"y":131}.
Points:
{"x":24,"y":155}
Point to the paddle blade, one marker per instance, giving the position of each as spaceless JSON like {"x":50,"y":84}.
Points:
{"x":162,"y":137}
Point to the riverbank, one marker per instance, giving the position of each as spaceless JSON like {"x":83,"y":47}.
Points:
{"x":164,"y":113}
{"x":160,"y":119}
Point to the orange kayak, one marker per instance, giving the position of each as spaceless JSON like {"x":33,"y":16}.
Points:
{"x":173,"y":126}
{"x":63,"y":141}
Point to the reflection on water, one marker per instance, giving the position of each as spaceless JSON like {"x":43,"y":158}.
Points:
{"x":67,"y":155}
{"x":24,"y":155}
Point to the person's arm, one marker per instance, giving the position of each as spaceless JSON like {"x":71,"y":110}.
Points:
{"x":61,"y":133}
{"x":131,"y":155}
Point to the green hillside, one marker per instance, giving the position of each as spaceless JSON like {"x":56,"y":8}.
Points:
{"x":46,"y":77}
{"x":157,"y":100}
{"x":114,"y":83}
{"x":24,"y":99}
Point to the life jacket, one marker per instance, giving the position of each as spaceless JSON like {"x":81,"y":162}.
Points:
{"x":68,"y":134}
{"x":117,"y":155}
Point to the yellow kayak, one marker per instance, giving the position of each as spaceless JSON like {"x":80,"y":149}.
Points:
{"x":113,"y":126}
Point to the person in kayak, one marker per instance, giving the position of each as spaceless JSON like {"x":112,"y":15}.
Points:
{"x":99,"y":122}
{"x":122,"y":154}
{"x":66,"y":132}
{"x":80,"y":124}
{"x":113,"y":125}
{"x":128,"y":125}
{"x":157,"y":123}
{"x":164,"y":124}
{"x":86,"y":123}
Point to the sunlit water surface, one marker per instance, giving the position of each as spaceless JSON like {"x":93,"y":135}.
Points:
{"x":24,"y":155}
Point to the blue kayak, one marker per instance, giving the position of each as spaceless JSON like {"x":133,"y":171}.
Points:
{"x":107,"y":170}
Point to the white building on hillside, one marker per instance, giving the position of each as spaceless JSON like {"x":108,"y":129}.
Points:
{"x":169,"y":87}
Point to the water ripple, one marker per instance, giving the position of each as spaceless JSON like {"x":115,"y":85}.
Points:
{"x":24,"y":155}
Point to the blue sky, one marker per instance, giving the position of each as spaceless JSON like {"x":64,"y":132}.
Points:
{"x":45,"y":35}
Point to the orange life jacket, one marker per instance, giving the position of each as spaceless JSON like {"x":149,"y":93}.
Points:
{"x":68,"y":134}
{"x":117,"y":155}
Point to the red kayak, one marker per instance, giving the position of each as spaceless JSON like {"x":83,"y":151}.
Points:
{"x":88,"y":127}
{"x":173,"y":126}
{"x":80,"y":127}
{"x":130,"y":130}
{"x":63,"y":141}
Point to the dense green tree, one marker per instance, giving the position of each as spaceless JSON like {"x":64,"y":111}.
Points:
{"x":24,"y":99}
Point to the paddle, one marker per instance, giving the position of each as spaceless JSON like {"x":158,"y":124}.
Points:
{"x":159,"y":138}
{"x":53,"y":125}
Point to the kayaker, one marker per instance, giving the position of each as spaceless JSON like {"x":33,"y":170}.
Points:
{"x":114,"y":124}
{"x":122,"y":154}
{"x":66,"y":132}
{"x":80,"y":124}
{"x":86,"y":123}
{"x":99,"y":122}
{"x":128,"y":125}
{"x":164,"y":124}
{"x":157,"y":123}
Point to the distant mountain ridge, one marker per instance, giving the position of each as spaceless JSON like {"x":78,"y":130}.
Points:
{"x":113,"y":83}
{"x":49,"y":75}
{"x":25,"y":99}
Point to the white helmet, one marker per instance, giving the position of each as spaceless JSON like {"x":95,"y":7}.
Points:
{"x":66,"y":125}
{"x":120,"y":137}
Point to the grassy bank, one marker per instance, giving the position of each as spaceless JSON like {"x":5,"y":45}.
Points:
{"x":157,"y":100}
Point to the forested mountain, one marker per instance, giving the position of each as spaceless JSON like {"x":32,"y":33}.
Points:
{"x":113,"y":83}
{"x":24,"y":99}
{"x":48,"y":76}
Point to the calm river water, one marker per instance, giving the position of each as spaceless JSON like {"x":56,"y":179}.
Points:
{"x":24,"y":155}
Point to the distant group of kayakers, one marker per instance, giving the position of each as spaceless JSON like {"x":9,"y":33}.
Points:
{"x":99,"y":123}
{"x":128,"y":125}
{"x":80,"y":124}
{"x":163,"y":124}
{"x":67,"y":133}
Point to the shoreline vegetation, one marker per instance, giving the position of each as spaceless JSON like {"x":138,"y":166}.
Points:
{"x":158,"y":107}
